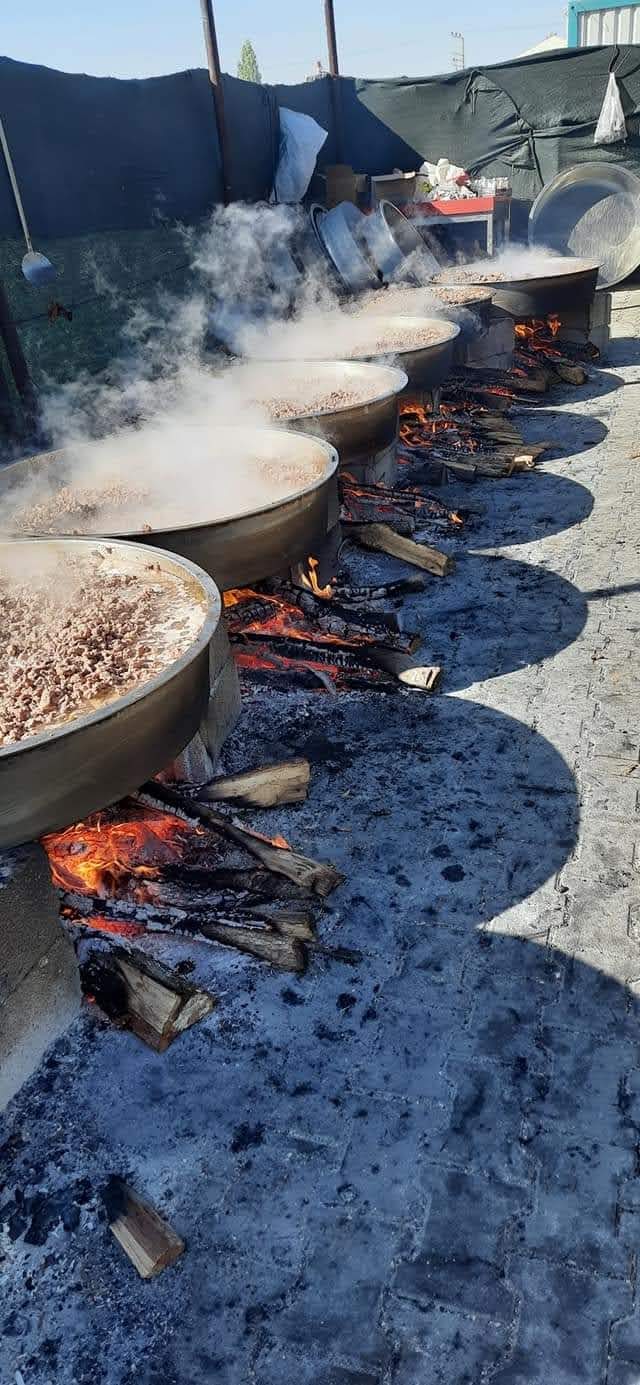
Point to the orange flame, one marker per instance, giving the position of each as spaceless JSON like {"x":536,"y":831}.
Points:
{"x":539,"y":334}
{"x":286,"y":619}
{"x":100,"y":855}
{"x":311,"y":580}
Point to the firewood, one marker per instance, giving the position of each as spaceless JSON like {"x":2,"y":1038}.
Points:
{"x":462,"y":470}
{"x":266,"y":787}
{"x":318,"y":876}
{"x":570,"y":374}
{"x":140,"y":995}
{"x":383,"y":540}
{"x":535,"y":382}
{"x":146,"y":1238}
{"x":294,"y":924}
{"x":420,"y":676}
{"x":263,"y":942}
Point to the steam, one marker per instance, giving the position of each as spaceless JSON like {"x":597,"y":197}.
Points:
{"x":520,"y":262}
{"x":162,"y":419}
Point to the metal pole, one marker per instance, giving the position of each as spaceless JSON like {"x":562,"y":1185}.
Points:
{"x":336,"y":99}
{"x":330,"y":21}
{"x":215,"y":77}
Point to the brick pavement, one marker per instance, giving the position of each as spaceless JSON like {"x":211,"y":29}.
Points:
{"x":422,"y":1168}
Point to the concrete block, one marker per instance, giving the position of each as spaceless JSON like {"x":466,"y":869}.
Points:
{"x":39,"y":981}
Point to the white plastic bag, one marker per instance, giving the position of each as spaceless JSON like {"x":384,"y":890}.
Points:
{"x":301,"y":139}
{"x":611,"y":125}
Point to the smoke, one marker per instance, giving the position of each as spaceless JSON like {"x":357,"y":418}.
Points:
{"x":161,"y":421}
{"x":516,"y":262}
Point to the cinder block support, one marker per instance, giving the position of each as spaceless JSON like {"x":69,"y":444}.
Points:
{"x":39,"y":981}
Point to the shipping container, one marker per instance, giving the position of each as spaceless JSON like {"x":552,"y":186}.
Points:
{"x":593,"y":22}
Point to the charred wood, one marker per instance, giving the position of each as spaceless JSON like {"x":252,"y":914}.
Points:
{"x":316,"y":876}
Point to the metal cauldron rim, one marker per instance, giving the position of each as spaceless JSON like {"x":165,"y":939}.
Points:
{"x":450,"y":330}
{"x":397,"y":385}
{"x":127,"y":535}
{"x":212,"y":608}
{"x":580,"y":268}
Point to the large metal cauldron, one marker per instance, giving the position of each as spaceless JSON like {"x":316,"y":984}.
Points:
{"x":426,"y":367}
{"x":566,"y":286}
{"x":591,"y":210}
{"x":471,"y":309}
{"x":57,"y":777}
{"x":360,"y":432}
{"x":244,"y":547}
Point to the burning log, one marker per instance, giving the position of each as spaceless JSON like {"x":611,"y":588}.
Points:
{"x":382,"y":539}
{"x":258,"y":940}
{"x":146,"y":1238}
{"x":278,"y":939}
{"x":319,"y":877}
{"x":136,"y":993}
{"x":267,"y":787}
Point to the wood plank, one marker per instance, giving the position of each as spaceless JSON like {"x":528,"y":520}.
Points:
{"x":318,"y":876}
{"x":258,"y":941}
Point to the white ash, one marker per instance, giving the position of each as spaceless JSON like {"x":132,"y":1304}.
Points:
{"x":80,"y":638}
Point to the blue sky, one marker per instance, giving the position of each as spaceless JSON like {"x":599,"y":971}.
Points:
{"x":376,"y":38}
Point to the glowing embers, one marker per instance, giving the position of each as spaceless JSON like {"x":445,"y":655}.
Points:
{"x":349,"y":640}
{"x":120,"y":851}
{"x":540,"y":350}
{"x":175,"y":864}
{"x":406,"y":508}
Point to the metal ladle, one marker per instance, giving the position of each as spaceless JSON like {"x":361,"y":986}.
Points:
{"x":37,"y":269}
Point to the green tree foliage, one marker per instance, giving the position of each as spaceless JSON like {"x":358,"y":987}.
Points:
{"x":248,"y":68}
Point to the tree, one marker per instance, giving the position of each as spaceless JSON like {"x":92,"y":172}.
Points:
{"x":248,"y":68}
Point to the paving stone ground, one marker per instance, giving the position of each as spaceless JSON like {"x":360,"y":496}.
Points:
{"x":420,"y":1168}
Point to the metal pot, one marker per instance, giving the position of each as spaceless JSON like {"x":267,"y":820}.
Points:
{"x":399,"y":249}
{"x":359,"y":432}
{"x":592,"y":210}
{"x":426,"y":367}
{"x":244,"y":547}
{"x":569,"y":286}
{"x":57,"y":777}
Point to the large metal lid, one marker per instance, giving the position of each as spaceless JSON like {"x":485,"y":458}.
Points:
{"x":339,"y":232}
{"x":592,"y":211}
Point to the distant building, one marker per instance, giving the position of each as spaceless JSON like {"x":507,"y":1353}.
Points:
{"x":546,"y":45}
{"x":593,"y":22}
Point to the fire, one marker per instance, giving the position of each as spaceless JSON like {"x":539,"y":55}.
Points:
{"x":275,"y":616}
{"x":422,"y":429}
{"x":118,"y":928}
{"x":104,"y":853}
{"x":309,"y":579}
{"x":539,"y":334}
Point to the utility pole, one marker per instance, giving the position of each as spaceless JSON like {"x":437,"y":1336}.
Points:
{"x":330,"y":22}
{"x":457,"y":56}
{"x":215,"y":77}
{"x":334,"y":73}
